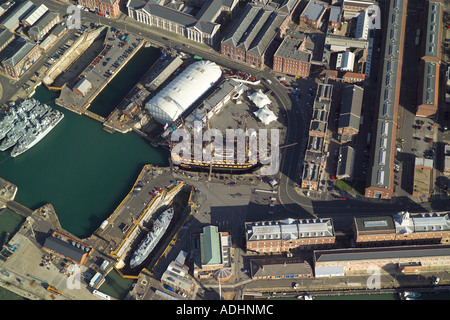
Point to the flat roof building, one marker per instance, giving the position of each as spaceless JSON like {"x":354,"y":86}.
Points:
{"x":294,"y":56}
{"x":177,"y":276}
{"x":313,"y":164}
{"x":313,"y":13}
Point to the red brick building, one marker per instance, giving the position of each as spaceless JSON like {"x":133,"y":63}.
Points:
{"x":428,"y":98}
{"x":251,"y":40}
{"x":19,"y":56}
{"x":313,"y":14}
{"x":401,"y":229}
{"x":294,"y":56}
{"x":289,"y":235}
{"x":103,"y":7}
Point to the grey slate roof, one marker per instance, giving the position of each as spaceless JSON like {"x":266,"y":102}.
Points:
{"x":64,"y":248}
{"x":287,"y":6}
{"x":43,"y":22}
{"x":203,"y":21}
{"x":170,"y":14}
{"x":16,"y":51}
{"x":381,"y":253}
{"x":5,"y":35}
{"x":335,"y":13}
{"x":429,"y":83}
{"x":351,"y":107}
{"x":433,"y":27}
{"x":255,"y":29}
{"x":14,"y":15}
{"x":345,"y":164}
{"x":279,"y":268}
{"x":314,"y":9}
{"x":289,"y":50}
{"x":380,"y":176}
{"x":380,"y":172}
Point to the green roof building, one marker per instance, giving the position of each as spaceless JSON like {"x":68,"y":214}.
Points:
{"x":211,"y":251}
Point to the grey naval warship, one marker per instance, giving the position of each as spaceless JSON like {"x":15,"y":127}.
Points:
{"x":152,"y":239}
{"x":7,"y":123}
{"x":33,"y":122}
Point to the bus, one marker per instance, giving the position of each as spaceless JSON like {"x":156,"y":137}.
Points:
{"x":101,"y":295}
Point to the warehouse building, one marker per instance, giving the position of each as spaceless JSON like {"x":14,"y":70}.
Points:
{"x":67,"y":247}
{"x":34,"y":15}
{"x":82,"y":87}
{"x":430,"y":62}
{"x":251,"y":40}
{"x":39,"y":29}
{"x":183,"y":91}
{"x":13,"y":16}
{"x":350,"y":114}
{"x":380,"y":183}
{"x":279,"y":268}
{"x":346,"y":262}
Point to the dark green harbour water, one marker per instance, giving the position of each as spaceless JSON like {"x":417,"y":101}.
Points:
{"x":79,"y":168}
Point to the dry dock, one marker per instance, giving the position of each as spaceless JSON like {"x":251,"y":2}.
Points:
{"x":32,"y":262}
{"x":98,"y":72}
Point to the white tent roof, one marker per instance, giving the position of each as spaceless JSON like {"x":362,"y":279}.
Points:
{"x":265,"y":115}
{"x":183,"y":91}
{"x":259,"y":99}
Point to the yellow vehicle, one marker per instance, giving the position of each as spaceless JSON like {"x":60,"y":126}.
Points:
{"x":54,"y":290}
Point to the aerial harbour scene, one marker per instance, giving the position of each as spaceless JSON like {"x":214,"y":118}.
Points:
{"x":260,"y":151}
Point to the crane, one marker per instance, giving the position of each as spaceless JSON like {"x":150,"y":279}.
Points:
{"x":289,"y":145}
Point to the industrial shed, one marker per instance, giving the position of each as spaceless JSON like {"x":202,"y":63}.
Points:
{"x":82,"y":87}
{"x":183,"y":91}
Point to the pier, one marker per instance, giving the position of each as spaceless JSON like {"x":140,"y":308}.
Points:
{"x":93,"y":115}
{"x":18,"y":208}
{"x":7,"y":194}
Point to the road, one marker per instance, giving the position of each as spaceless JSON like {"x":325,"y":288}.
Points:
{"x":291,"y":200}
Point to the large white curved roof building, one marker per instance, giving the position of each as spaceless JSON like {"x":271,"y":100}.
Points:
{"x":183,"y":91}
